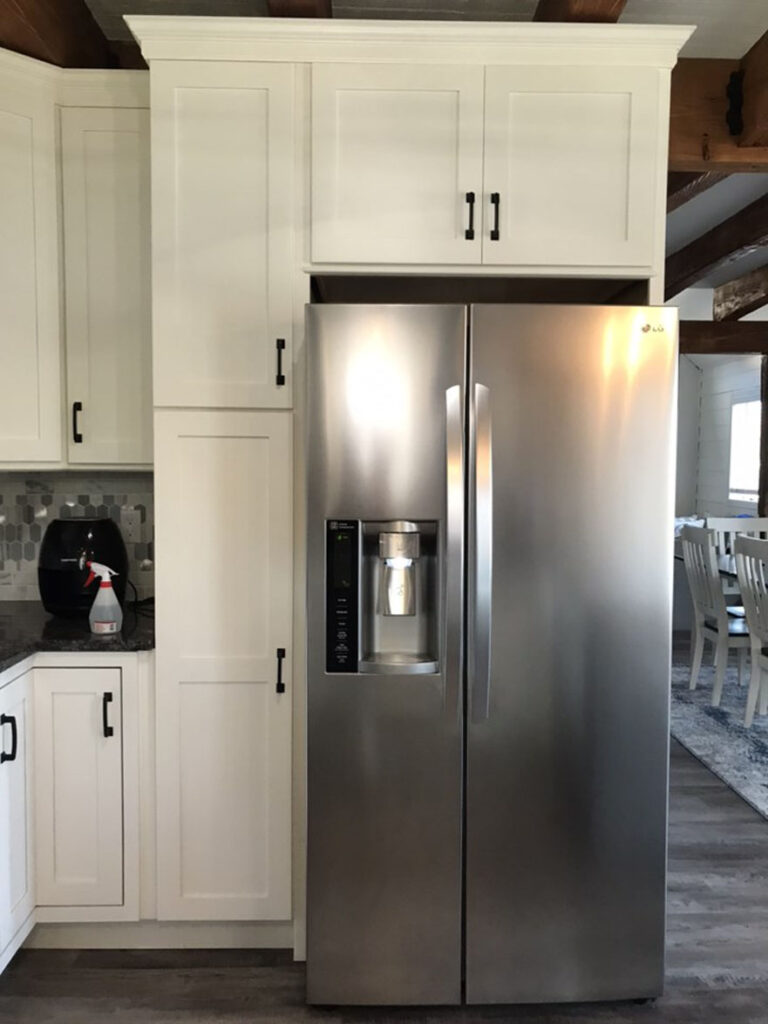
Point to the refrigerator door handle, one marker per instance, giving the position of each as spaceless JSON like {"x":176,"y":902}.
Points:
{"x":453,"y":626}
{"x":482,"y":561}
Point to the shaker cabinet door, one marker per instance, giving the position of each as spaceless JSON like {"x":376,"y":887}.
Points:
{"x":105,"y":193}
{"x":79,"y":786}
{"x":17,"y":896}
{"x":571,"y":155}
{"x":224,"y":593}
{"x":395,"y":150}
{"x":222,"y":230}
{"x":30,"y":429}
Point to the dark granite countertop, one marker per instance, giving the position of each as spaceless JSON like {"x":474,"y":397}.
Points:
{"x":27,"y":628}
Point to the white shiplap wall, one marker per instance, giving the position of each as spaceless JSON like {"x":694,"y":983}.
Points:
{"x":721,"y":384}
{"x":688,"y":400}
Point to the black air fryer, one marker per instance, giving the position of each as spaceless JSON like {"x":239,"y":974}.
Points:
{"x":61,"y":580}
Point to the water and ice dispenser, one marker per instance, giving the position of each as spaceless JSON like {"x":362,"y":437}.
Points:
{"x":382,"y":592}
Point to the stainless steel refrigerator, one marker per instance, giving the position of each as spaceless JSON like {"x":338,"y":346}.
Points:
{"x":490,"y":503}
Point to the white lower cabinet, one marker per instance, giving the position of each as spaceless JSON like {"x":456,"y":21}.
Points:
{"x":17,"y":891}
{"x":79,"y":786}
{"x":224,"y":523}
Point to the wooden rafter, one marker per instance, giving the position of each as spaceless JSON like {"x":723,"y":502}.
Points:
{"x":754,"y":66}
{"x":578,"y":10}
{"x":743,"y":295}
{"x":299,"y":8}
{"x":739,"y":235}
{"x":699,"y":137}
{"x":61,"y":32}
{"x":731,"y":338}
{"x":684,"y":185}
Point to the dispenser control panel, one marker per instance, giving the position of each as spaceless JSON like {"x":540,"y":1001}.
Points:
{"x":341,"y":595}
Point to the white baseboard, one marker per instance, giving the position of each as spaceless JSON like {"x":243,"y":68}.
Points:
{"x":163,"y":935}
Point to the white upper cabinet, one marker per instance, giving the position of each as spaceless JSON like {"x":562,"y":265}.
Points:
{"x":395,"y":151}
{"x":571,"y":154}
{"x":105,"y":187}
{"x":562,"y":164}
{"x":30,"y":408}
{"x":222,"y":230}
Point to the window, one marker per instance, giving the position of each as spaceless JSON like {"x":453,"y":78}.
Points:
{"x":745,"y":451}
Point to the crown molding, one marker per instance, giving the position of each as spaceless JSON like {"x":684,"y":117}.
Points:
{"x":81,"y":87}
{"x":453,"y":42}
{"x":76,"y":87}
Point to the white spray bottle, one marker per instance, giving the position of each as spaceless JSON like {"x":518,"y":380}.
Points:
{"x":106,"y":615}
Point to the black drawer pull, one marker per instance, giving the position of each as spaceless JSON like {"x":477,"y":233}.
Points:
{"x":469,"y":198}
{"x":280,"y":378}
{"x":280,"y":688}
{"x":495,"y":201}
{"x":106,"y":700}
{"x":10,"y":720}
{"x":77,"y":437}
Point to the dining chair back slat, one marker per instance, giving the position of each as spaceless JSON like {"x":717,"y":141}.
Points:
{"x":752,"y":570}
{"x":701,"y":568}
{"x":727,"y":528}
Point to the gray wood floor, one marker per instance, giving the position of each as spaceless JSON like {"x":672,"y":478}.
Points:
{"x":717,"y":958}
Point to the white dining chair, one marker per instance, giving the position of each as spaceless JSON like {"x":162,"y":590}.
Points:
{"x":710,"y":616}
{"x":752,"y":569}
{"x":727,"y":528}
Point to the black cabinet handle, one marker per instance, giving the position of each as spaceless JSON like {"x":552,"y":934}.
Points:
{"x":280,"y":688}
{"x":495,"y":200}
{"x":106,"y":700}
{"x":77,"y":437}
{"x":469,"y":198}
{"x":10,"y":720}
{"x":280,"y":378}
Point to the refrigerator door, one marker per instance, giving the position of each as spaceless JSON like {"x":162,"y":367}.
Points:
{"x":385,"y":444}
{"x":571,"y":494}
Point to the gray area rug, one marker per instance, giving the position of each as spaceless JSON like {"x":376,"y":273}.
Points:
{"x":717,"y":737}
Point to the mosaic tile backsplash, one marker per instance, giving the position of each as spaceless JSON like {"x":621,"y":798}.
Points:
{"x":29,"y":501}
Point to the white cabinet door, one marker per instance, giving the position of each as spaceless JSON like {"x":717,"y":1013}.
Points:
{"x":571,"y":153}
{"x":78,"y":786}
{"x":222,"y":230}
{"x":105,"y":189}
{"x":224,"y":523}
{"x":30,"y":406}
{"x":395,"y":150}
{"x":17,"y":895}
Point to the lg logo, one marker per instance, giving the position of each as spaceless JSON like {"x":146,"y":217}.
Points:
{"x":655,"y":328}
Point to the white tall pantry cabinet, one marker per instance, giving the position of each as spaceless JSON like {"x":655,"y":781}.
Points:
{"x":223,"y":237}
{"x":283,"y":148}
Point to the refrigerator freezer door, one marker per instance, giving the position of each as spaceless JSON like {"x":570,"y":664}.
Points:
{"x":385,"y":443}
{"x":567,"y":743}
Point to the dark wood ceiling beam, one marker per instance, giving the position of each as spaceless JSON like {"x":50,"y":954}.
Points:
{"x":299,"y":8}
{"x":579,"y":10}
{"x":754,"y":84}
{"x":743,"y":295}
{"x":61,"y":32}
{"x":734,"y":337}
{"x":684,"y":185}
{"x":743,"y":233}
{"x":699,"y":139}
